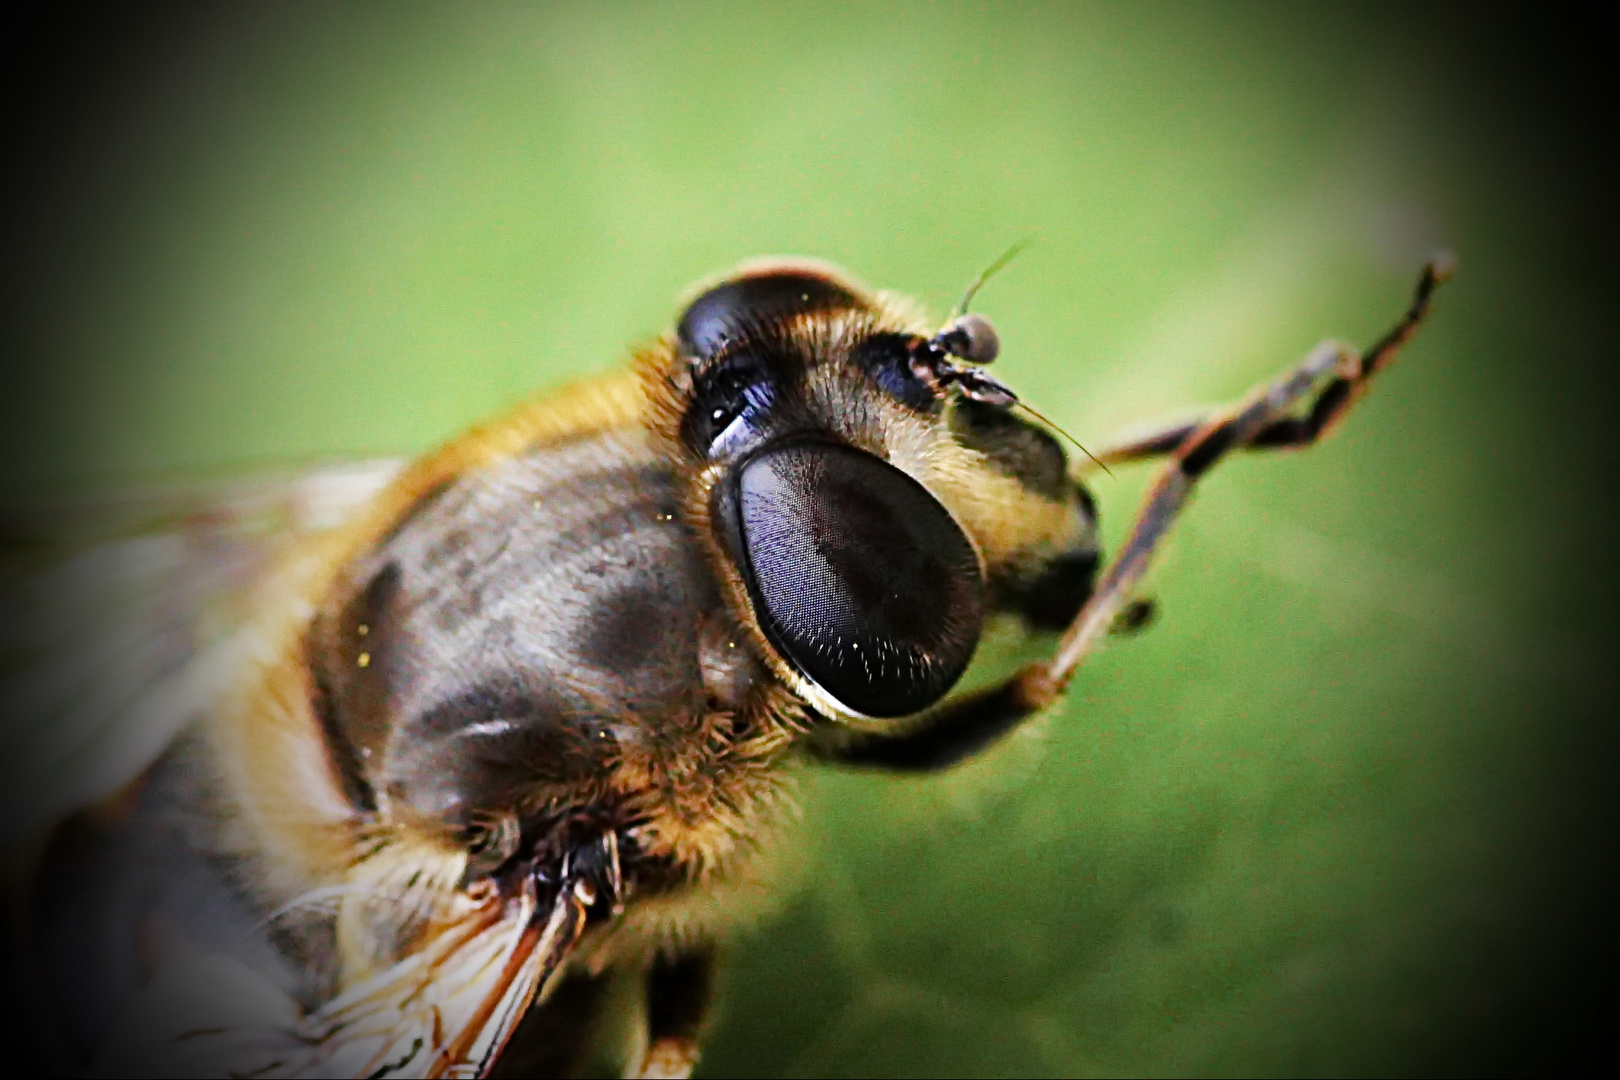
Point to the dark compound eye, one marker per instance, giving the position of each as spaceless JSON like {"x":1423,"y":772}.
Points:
{"x":730,"y":391}
{"x":736,"y":309}
{"x":861,"y":579}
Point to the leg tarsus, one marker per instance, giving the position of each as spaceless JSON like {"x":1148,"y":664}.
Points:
{"x":1332,"y":402}
{"x":1150,"y":444}
{"x":1263,"y":420}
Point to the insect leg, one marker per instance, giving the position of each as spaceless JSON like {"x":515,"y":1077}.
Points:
{"x":1266,"y":418}
{"x":1328,"y":407}
{"x":1150,"y":444}
{"x":678,"y":994}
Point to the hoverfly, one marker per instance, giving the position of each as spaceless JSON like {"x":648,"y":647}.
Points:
{"x":485,"y":733}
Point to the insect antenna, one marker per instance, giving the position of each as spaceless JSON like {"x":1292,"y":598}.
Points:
{"x":986,"y":274}
{"x":1095,"y":459}
{"x":961,"y":309}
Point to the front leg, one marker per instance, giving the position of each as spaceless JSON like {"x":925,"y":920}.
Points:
{"x":1328,"y":381}
{"x":1326,"y":409}
{"x":679,"y":991}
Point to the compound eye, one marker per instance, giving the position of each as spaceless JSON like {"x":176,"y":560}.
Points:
{"x":737,"y":309}
{"x":861,"y":579}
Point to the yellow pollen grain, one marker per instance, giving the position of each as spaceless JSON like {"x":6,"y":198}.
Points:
{"x":363,"y":660}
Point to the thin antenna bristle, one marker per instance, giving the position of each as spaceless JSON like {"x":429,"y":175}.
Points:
{"x":1098,"y":461}
{"x":985,"y":275}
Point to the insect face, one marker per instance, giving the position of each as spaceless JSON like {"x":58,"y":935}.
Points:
{"x":870,"y":501}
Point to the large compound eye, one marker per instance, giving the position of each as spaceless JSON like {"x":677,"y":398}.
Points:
{"x":736,"y":309}
{"x":860,"y":578}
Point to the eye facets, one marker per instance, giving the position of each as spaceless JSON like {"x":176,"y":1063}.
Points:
{"x":860,"y":577}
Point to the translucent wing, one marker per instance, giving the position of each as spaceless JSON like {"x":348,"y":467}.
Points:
{"x":446,"y":1010}
{"x":116,"y":621}
{"x":449,"y":1009}
{"x":120,"y":620}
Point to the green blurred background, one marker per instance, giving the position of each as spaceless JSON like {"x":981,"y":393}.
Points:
{"x":1346,"y":808}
